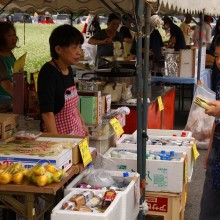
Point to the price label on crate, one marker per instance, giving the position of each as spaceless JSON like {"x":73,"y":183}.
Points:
{"x":117,"y":127}
{"x":160,"y":103}
{"x":85,"y":152}
{"x":195,"y":152}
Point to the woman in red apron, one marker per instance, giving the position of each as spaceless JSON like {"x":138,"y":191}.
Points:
{"x":56,"y":88}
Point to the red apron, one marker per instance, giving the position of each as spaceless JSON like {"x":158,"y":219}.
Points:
{"x":68,"y":120}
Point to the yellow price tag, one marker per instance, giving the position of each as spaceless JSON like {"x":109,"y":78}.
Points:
{"x":117,"y":127}
{"x":195,"y":152}
{"x":160,"y":103}
{"x":186,"y":169}
{"x":19,"y":64}
{"x":85,"y":152}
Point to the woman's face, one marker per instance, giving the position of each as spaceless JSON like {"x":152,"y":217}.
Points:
{"x":70,"y":55}
{"x":114,"y":24}
{"x":11,"y":39}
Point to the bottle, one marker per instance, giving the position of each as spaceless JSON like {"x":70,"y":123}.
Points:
{"x":109,"y":196}
{"x":127,"y":179}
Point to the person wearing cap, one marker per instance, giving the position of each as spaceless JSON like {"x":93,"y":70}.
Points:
{"x":206,"y":32}
{"x":177,"y":40}
{"x":186,"y":28}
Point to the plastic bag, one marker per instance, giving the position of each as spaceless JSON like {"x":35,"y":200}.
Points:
{"x":115,"y":89}
{"x":199,"y":123}
{"x":126,"y":94}
{"x":98,"y":178}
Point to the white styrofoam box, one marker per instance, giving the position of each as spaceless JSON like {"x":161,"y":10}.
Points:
{"x":120,"y":142}
{"x":161,"y":176}
{"x":61,"y":161}
{"x":163,"y":132}
{"x":186,"y":148}
{"x":130,"y":198}
{"x":114,"y":211}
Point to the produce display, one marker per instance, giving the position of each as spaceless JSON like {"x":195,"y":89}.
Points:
{"x":39,"y":175}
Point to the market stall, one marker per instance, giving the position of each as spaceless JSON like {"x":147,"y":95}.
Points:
{"x":141,"y":92}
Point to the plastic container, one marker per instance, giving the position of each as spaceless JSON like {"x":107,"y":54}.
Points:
{"x":27,"y":135}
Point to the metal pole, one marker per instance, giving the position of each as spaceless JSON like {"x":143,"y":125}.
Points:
{"x":146,"y":72}
{"x":139,"y":102}
{"x":201,"y":16}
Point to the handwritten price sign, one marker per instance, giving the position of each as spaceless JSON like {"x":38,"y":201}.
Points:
{"x":160,"y":103}
{"x":117,"y":127}
{"x":85,"y":152}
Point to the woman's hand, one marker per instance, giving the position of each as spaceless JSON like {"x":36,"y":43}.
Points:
{"x":215,"y":110}
{"x":108,"y":40}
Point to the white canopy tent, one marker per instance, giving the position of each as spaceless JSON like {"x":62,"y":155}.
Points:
{"x":211,"y":7}
{"x":96,"y":6}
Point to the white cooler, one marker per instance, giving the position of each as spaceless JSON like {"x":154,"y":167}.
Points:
{"x":130,"y":196}
{"x":186,"y":148}
{"x":166,"y":133}
{"x":114,"y":211}
{"x":161,"y":175}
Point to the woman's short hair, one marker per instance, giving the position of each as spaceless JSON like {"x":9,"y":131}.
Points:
{"x":5,"y":27}
{"x":64,"y":36}
{"x":113,"y":16}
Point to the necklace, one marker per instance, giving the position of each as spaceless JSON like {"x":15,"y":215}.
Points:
{"x":68,"y":92}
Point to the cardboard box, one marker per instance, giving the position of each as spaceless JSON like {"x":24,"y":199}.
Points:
{"x":130,"y":200}
{"x":165,"y":206}
{"x":161,"y":175}
{"x":8,"y":125}
{"x":91,"y":106}
{"x":114,"y":211}
{"x":76,"y":156}
{"x":61,"y":161}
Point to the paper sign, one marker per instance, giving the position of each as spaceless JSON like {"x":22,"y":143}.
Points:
{"x":117,"y":127}
{"x":19,"y":64}
{"x":195,"y":152}
{"x":85,"y":152}
{"x":160,"y":103}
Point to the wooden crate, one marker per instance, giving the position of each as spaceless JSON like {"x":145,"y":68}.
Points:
{"x":166,"y":206}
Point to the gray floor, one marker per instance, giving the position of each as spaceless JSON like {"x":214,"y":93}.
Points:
{"x":195,"y":187}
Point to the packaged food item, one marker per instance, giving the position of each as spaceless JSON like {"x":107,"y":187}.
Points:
{"x":95,"y":201}
{"x":68,"y":205}
{"x":27,"y":135}
{"x":82,"y":208}
{"x":83,"y":198}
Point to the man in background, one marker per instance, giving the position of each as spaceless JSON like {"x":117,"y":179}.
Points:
{"x":185,"y":27}
{"x":177,"y":40}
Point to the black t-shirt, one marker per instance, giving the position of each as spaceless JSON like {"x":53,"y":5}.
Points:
{"x":125,"y":32}
{"x":106,"y":49}
{"x":52,"y":85}
{"x":156,"y":43}
{"x":176,"y":32}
